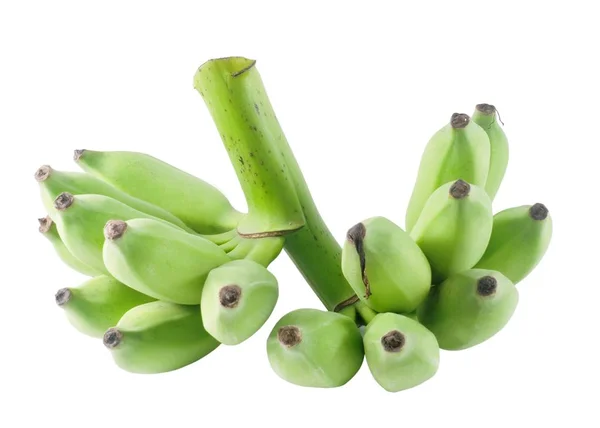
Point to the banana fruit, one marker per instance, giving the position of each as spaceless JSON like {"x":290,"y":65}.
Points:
{"x":53,"y":182}
{"x":237,"y":299}
{"x":98,"y":304}
{"x":158,"y":260}
{"x":158,"y":337}
{"x":400,"y":352}
{"x":200,"y":205}
{"x":469,"y":308}
{"x":385,"y":267}
{"x":486,"y":116}
{"x":454,"y":228}
{"x":313,"y":348}
{"x":520,"y":238}
{"x":460,"y":150}
{"x":48,"y":229}
{"x":80,"y":220}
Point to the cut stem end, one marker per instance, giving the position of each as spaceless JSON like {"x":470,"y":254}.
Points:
{"x":63,"y":201}
{"x":77,"y":154}
{"x":459,"y":120}
{"x":486,"y":109}
{"x":63,"y":296}
{"x":45,"y":224}
{"x":43,"y":173}
{"x":538,"y":212}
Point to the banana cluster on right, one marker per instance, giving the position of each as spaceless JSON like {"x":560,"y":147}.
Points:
{"x":448,"y":279}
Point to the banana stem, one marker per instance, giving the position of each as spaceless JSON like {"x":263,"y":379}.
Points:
{"x":237,"y":99}
{"x":365,"y":313}
{"x":234,"y":94}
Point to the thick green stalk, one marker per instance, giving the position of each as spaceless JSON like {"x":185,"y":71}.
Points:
{"x":234,"y":94}
{"x":236,"y":97}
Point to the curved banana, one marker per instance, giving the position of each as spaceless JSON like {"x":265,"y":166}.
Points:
{"x":469,"y":308}
{"x":80,"y":221}
{"x":454,"y":228}
{"x":385,"y":267}
{"x":237,"y":299}
{"x":158,"y":260}
{"x":400,"y":352}
{"x":49,"y":230}
{"x":98,"y":304}
{"x":319,"y":349}
{"x":158,"y":337}
{"x":53,"y":182}
{"x":486,"y":116}
{"x":259,"y":250}
{"x":520,"y":238}
{"x":460,"y":149}
{"x":200,"y":205}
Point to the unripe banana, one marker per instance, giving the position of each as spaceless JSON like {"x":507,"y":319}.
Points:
{"x":53,"y":183}
{"x":259,"y":250}
{"x":200,"y":205}
{"x":385,"y":267}
{"x":460,"y":149}
{"x":486,"y":116}
{"x":400,"y":352}
{"x":469,"y":308}
{"x":159,"y":260}
{"x":80,"y":221}
{"x":237,"y":299}
{"x":454,"y":228}
{"x":520,"y":238}
{"x":158,"y":337}
{"x":98,"y":304}
{"x":49,"y":230}
{"x":314,"y":348}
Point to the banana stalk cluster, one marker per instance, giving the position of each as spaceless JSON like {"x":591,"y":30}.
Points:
{"x":176,"y":270}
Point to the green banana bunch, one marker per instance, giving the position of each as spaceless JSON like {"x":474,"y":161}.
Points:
{"x":49,"y":230}
{"x":158,"y":260}
{"x":454,"y":228}
{"x":469,"y":308}
{"x":98,"y":304}
{"x":460,"y":150}
{"x":400,"y":352}
{"x":200,"y":205}
{"x":80,"y":220}
{"x":520,"y":238}
{"x":485,"y":116}
{"x":159,"y":337}
{"x":385,"y":267}
{"x":53,"y":182}
{"x":308,"y":347}
{"x":237,"y":299}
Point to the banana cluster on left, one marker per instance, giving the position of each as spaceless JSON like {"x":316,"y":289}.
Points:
{"x":171,"y":276}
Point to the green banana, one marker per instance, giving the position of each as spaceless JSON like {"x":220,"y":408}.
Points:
{"x":454,"y":228}
{"x":200,"y":205}
{"x":158,"y":337}
{"x":98,"y":304}
{"x":400,"y":352}
{"x":259,"y":250}
{"x":385,"y":267}
{"x":158,"y":260}
{"x":53,"y":182}
{"x":49,"y":230}
{"x":80,"y":220}
{"x":237,"y":299}
{"x":486,"y":116}
{"x":313,"y":348}
{"x":460,"y":149}
{"x":520,"y":238}
{"x":469,"y":308}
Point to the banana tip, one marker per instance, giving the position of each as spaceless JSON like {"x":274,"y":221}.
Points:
{"x":485,"y":108}
{"x":45,"y":224}
{"x":393,"y":341}
{"x":77,"y":154}
{"x":486,"y":286}
{"x":230,"y":295}
{"x":114,"y":229}
{"x":538,"y":212}
{"x":42,"y":173}
{"x":289,"y":336}
{"x":112,"y":338}
{"x":62,"y":296}
{"x":460,"y":189}
{"x":63,"y":201}
{"x":459,"y":120}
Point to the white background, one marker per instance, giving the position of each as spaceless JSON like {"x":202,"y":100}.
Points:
{"x":359,"y":88}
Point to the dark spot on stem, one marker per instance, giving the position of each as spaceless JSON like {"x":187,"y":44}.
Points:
{"x":356,"y":234}
{"x":538,"y":212}
{"x":229,"y":296}
{"x":393,"y":341}
{"x":459,"y":120}
{"x":486,"y":286}
{"x":460,"y":189}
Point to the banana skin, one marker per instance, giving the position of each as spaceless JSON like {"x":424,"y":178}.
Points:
{"x":460,"y":150}
{"x":520,"y":238}
{"x":159,"y":337}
